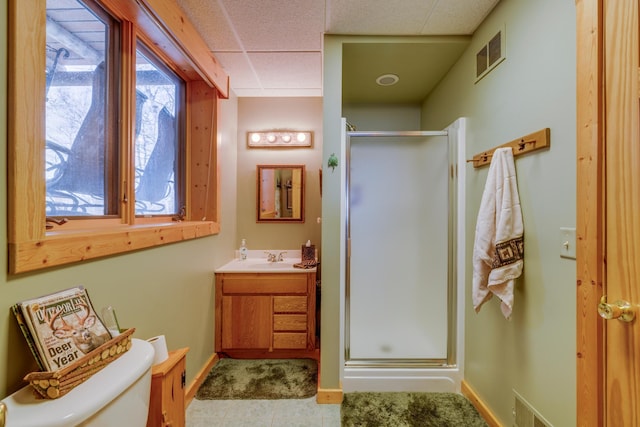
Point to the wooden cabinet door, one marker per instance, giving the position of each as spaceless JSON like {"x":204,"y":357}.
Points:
{"x":246,"y":322}
{"x":173,"y":396}
{"x":167,"y":400}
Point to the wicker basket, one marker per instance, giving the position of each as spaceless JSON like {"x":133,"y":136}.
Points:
{"x":54,"y":384}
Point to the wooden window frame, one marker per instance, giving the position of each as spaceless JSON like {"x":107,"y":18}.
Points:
{"x":162,"y":26}
{"x":180,"y":101}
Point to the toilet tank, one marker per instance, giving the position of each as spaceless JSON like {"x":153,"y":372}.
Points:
{"x":117,"y":395}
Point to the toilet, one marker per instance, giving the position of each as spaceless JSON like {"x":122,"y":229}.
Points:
{"x":118,"y":395}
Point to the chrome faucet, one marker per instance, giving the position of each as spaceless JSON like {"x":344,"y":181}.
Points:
{"x":272,"y":257}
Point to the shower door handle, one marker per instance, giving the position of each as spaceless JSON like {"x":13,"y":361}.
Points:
{"x":621,"y":310}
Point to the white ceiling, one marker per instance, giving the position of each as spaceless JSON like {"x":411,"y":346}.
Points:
{"x":274,"y":47}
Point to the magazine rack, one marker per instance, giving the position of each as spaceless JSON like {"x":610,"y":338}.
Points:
{"x":54,"y":384}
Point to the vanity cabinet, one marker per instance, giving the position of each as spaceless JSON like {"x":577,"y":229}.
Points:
{"x":266,"y":314}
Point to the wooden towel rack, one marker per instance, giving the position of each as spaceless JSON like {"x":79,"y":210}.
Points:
{"x":526,"y":144}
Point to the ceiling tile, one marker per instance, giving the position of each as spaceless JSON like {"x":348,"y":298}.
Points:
{"x":239,"y":69}
{"x":278,"y":92}
{"x":274,"y":25}
{"x":209,"y":18}
{"x":379,"y":17}
{"x":291,"y":70}
{"x":274,"y":47}
{"x":457,"y":16}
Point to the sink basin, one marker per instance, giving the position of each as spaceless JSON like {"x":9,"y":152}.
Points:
{"x":261,"y":265}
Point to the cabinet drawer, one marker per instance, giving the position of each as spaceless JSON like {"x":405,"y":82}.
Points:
{"x":290,"y":322}
{"x":290,"y":304}
{"x":285,"y":283}
{"x":289,"y":340}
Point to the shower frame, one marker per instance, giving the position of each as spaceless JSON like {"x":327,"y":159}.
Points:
{"x":450,"y":361}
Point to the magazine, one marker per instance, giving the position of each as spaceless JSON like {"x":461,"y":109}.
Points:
{"x":63,"y":326}
{"x":37,"y":344}
{"x":17,"y":312}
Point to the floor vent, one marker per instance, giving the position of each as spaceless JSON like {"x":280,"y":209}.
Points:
{"x":525,"y":415}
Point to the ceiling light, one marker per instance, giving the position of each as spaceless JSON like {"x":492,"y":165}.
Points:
{"x":387,"y":79}
{"x":279,"y":138}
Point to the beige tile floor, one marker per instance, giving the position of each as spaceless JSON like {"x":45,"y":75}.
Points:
{"x":262,"y":413}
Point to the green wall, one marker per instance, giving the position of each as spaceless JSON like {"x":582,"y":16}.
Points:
{"x":534,"y":88}
{"x":166,"y":290}
{"x":299,"y":113}
{"x":532,"y":354}
{"x":169,"y":290}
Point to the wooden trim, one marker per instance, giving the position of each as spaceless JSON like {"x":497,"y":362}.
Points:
{"x":199,"y":379}
{"x":203,"y":182}
{"x":175,"y":47}
{"x":64,"y":248}
{"x":31,"y":247}
{"x":482,"y":408}
{"x":26,"y":88}
{"x":127,"y":128}
{"x":590,"y":212}
{"x":329,"y":396}
{"x":170,"y":17}
{"x":526,"y":144}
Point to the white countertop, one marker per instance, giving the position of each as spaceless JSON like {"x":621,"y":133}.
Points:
{"x":256,"y":262}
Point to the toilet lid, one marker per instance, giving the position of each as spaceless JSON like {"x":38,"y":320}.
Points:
{"x":86,"y":399}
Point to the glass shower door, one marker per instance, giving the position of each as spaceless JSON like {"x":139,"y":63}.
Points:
{"x":398,"y":271}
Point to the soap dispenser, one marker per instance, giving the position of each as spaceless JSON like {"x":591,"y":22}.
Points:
{"x":243,"y":249}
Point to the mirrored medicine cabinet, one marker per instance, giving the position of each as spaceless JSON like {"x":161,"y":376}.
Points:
{"x":280,"y":193}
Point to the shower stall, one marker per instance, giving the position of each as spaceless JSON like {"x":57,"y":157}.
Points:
{"x":404,"y":245}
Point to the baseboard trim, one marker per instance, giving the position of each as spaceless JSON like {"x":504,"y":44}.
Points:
{"x":199,"y":379}
{"x":329,"y":395}
{"x":482,"y":408}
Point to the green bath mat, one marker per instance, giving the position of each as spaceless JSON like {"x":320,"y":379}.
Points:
{"x":408,"y":410}
{"x":260,"y":379}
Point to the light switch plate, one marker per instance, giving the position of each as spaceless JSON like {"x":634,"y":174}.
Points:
{"x":568,"y":242}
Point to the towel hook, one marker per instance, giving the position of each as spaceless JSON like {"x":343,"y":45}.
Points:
{"x":522,"y":144}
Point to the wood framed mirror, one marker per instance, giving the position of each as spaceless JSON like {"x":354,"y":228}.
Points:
{"x":280,"y":193}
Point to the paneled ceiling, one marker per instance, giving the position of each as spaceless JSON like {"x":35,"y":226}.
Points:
{"x":274,"y":47}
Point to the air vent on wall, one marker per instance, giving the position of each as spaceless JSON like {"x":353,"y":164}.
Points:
{"x":490,"y":55}
{"x":525,"y":415}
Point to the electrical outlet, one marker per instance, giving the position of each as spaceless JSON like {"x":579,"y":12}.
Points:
{"x":568,"y":242}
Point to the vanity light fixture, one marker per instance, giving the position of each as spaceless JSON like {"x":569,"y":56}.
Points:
{"x":279,"y":138}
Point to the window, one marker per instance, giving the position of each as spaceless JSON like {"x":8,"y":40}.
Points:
{"x":158,"y":137}
{"x":112,"y":134}
{"x":81,"y":155}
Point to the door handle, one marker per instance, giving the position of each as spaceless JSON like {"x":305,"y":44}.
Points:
{"x":3,"y":414}
{"x":621,"y":310}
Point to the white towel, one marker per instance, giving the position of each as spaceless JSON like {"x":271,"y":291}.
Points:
{"x":498,"y":251}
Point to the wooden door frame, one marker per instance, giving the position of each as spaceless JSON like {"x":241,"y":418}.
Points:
{"x":590,"y":209}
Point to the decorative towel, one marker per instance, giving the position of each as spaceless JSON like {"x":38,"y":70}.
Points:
{"x":498,"y":250}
